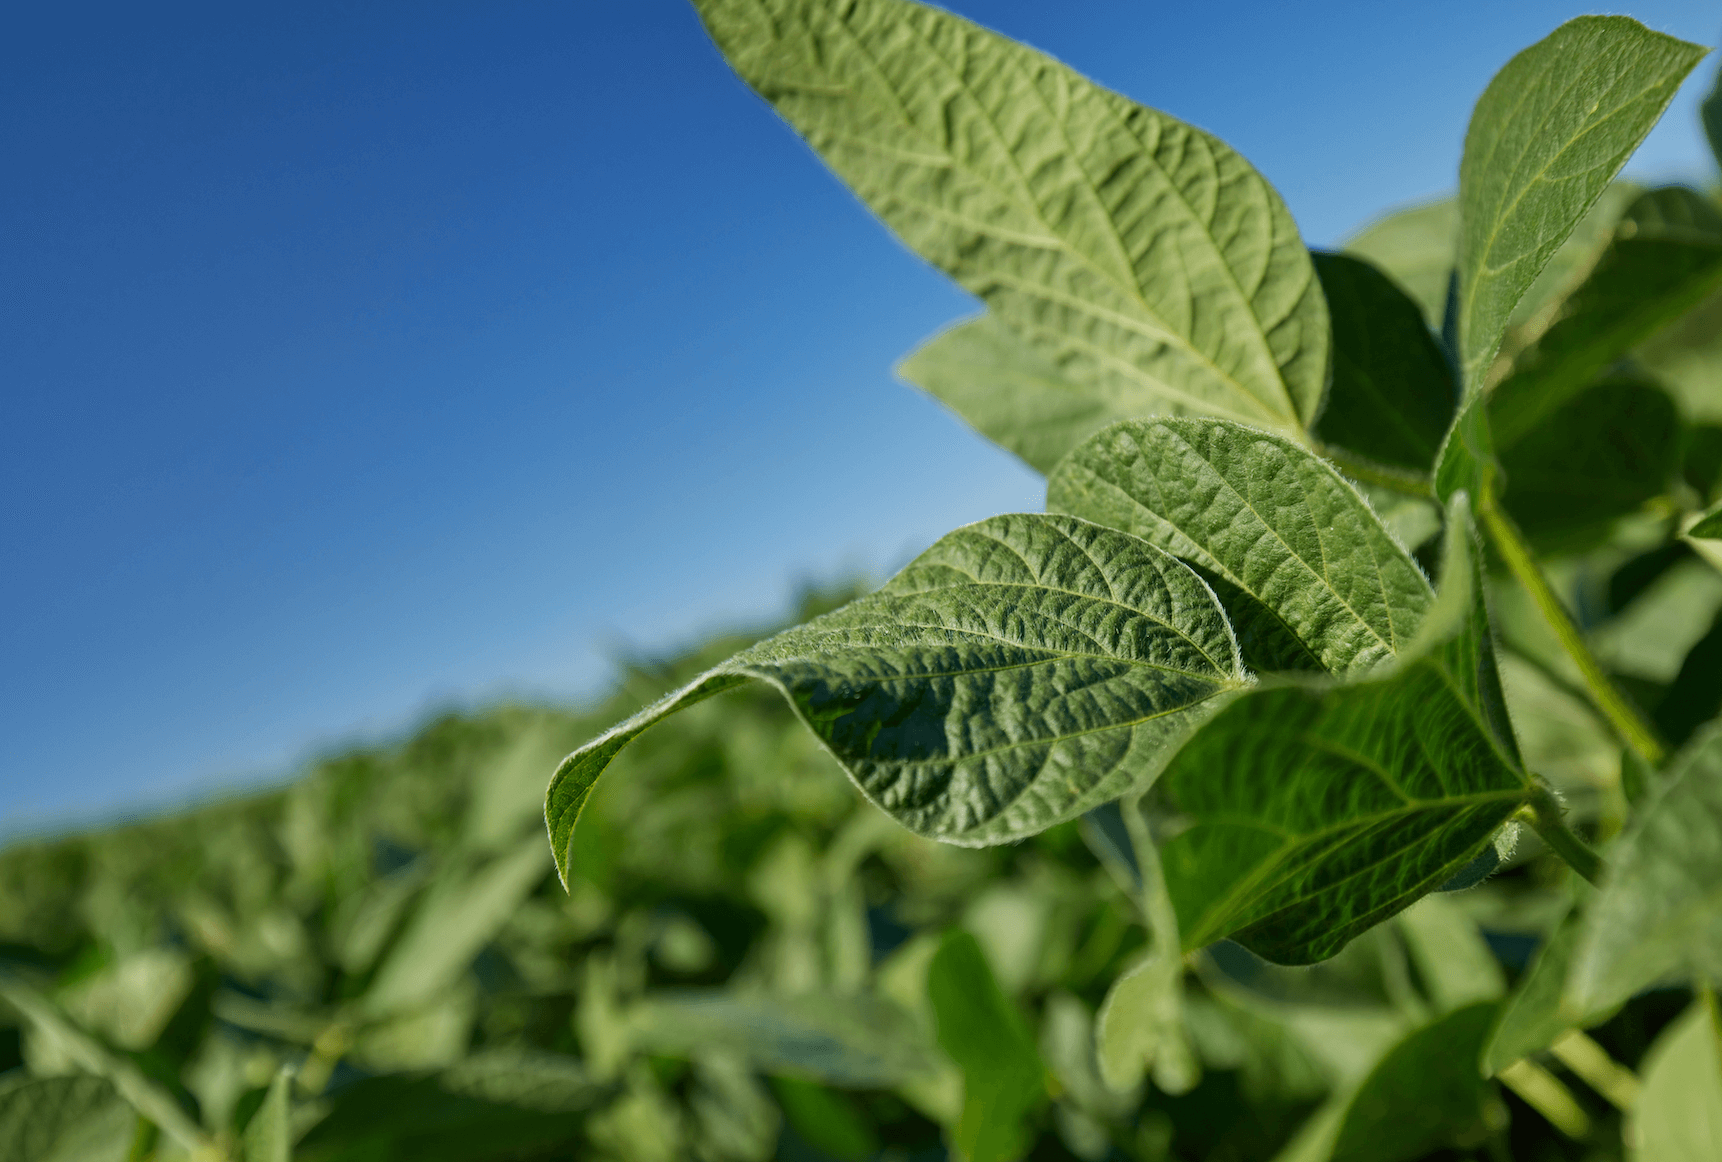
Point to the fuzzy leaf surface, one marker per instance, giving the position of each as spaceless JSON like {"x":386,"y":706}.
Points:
{"x":1311,"y":577}
{"x":1316,"y":809}
{"x":1547,"y":136}
{"x":1666,"y":258}
{"x":1659,"y":912}
{"x":1021,"y":671}
{"x":1392,"y":394}
{"x":1146,"y":258}
{"x":1008,"y":390}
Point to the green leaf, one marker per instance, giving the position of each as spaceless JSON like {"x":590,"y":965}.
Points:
{"x":1310,"y":576}
{"x":857,"y":1041}
{"x":62,"y":1119}
{"x":1021,"y":671}
{"x":1141,"y":1024}
{"x":268,"y":1136}
{"x":1678,"y":1115}
{"x":1316,"y":809}
{"x":1008,"y":390}
{"x":982,"y":1031}
{"x":1659,"y":912}
{"x":1416,"y":246}
{"x":1695,"y":695}
{"x":825,"y":1120}
{"x":1453,"y":960}
{"x":1466,"y":462}
{"x":1392,"y":394}
{"x":1666,"y":258}
{"x":1535,"y":1015}
{"x":1425,"y":1094}
{"x":1146,"y":258}
{"x":1709,"y":525}
{"x":461,"y":912}
{"x":1712,"y":115}
{"x":1609,"y":451}
{"x":1686,"y":358}
{"x":1548,"y":134}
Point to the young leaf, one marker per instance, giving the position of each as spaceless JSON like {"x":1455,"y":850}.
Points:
{"x":1145,"y":257}
{"x":1316,"y":810}
{"x":1008,"y":390}
{"x":1392,"y":394}
{"x":1548,"y":134}
{"x":1667,"y":258}
{"x":1415,"y":246}
{"x":1614,"y":447}
{"x":1425,"y":1094}
{"x":982,"y":1031}
{"x":1659,"y":912}
{"x":1678,"y":1116}
{"x":268,"y":1136}
{"x":1019,"y":672}
{"x":1311,"y":577}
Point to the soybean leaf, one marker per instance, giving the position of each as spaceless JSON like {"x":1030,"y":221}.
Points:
{"x":1316,"y":809}
{"x":62,"y":1119}
{"x":1466,"y":461}
{"x":1712,"y":115}
{"x":1021,"y":671}
{"x":1659,"y":911}
{"x":1678,"y":1115}
{"x":1709,"y":526}
{"x":1145,"y":257}
{"x":1453,"y":961}
{"x":268,"y":1135}
{"x":1310,"y":576}
{"x":1536,"y":1014}
{"x":1392,"y":394}
{"x":1666,"y":258}
{"x":1695,"y":695}
{"x":1008,"y":390}
{"x":982,"y":1031}
{"x":1686,"y":357}
{"x":825,"y":1120}
{"x":1425,"y":1094}
{"x":460,"y":913}
{"x":1548,"y":134}
{"x":858,"y":1041}
{"x":1701,"y":463}
{"x":1613,"y":448}
{"x":1416,"y":246}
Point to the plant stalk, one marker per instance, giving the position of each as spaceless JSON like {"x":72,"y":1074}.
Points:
{"x":1622,"y":716}
{"x":1544,"y":814}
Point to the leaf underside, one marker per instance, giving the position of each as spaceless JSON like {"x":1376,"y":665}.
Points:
{"x":1021,"y":671}
{"x":1143,"y":257}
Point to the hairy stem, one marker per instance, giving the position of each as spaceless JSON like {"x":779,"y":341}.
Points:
{"x":1621,"y":715}
{"x":1544,"y":814}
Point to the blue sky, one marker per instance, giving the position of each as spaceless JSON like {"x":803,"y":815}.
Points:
{"x":361,"y":360}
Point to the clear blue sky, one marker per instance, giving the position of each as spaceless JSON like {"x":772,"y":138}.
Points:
{"x":361,"y":359}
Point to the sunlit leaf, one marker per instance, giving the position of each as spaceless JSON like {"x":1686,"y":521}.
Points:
{"x":1308,"y":573}
{"x":1316,"y":809}
{"x":1666,"y":257}
{"x":1678,"y":1116}
{"x":1659,"y":912}
{"x":1392,"y":394}
{"x":1009,"y":390}
{"x":982,"y":1031}
{"x":1146,"y":258}
{"x":1548,"y":134}
{"x":1019,"y":672}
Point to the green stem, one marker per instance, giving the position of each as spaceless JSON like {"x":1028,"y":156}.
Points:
{"x":1622,"y":716}
{"x":1544,"y":814}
